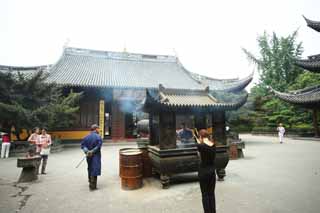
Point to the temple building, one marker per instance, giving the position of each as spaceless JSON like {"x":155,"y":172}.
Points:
{"x":308,"y":97}
{"x":115,"y":84}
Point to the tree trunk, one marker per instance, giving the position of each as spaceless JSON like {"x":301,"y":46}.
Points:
{"x":315,"y":123}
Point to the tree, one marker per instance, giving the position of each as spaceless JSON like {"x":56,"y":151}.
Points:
{"x":28,"y":101}
{"x":276,"y":60}
{"x":275,"y":64}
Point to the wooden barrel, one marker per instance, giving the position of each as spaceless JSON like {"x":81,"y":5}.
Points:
{"x":130,"y":163}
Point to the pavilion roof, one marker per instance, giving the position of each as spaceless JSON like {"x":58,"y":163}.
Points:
{"x":313,"y":24}
{"x":165,"y":99}
{"x":312,"y":63}
{"x":227,"y":85}
{"x":308,"y":97}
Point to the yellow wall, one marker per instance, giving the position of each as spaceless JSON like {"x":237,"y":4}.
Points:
{"x":69,"y":135}
{"x":23,"y":135}
{"x":63,"y":135}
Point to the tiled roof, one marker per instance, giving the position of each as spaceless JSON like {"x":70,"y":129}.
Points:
{"x":304,"y":90}
{"x":311,"y":65}
{"x":183,"y":98}
{"x":313,"y":24}
{"x":313,"y":62}
{"x":90,"y":68}
{"x":186,"y":100}
{"x":227,"y":85}
{"x":307,"y":98}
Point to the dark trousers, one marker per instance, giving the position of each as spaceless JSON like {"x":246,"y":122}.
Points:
{"x":44,"y":163}
{"x":207,"y":179}
{"x":91,"y":179}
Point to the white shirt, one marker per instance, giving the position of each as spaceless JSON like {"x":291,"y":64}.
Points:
{"x":281,"y":130}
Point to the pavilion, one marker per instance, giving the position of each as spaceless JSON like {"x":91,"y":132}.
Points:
{"x":308,"y":97}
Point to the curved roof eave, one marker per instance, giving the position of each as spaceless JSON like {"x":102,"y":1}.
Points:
{"x":309,"y":99}
{"x":315,"y":25}
{"x":225,"y":106}
{"x":239,"y":85}
{"x":310,"y":65}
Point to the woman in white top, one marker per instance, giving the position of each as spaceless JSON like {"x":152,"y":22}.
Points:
{"x":33,"y":140}
{"x":281,"y":130}
{"x":44,"y":142}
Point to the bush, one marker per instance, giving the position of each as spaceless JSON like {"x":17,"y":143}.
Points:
{"x":301,"y":130}
{"x":241,"y":128}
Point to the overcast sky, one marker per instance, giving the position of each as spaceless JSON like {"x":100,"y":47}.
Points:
{"x":207,"y":36}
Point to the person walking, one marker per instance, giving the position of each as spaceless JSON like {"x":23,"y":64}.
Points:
{"x":5,"y":147}
{"x":206,"y":172}
{"x":44,"y":142}
{"x":91,"y":146}
{"x":281,"y":130}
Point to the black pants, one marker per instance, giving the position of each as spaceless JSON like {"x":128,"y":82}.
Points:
{"x":207,"y":179}
{"x":44,"y":163}
{"x":91,"y":179}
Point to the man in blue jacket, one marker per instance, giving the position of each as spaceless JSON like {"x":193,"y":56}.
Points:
{"x":91,"y":146}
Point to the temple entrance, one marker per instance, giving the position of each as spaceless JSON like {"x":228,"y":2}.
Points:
{"x":130,"y":125}
{"x":107,"y":120}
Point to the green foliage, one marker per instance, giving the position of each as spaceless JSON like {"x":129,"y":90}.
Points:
{"x":276,"y":61}
{"x":276,"y":67}
{"x":27,"y":101}
{"x":305,"y":80}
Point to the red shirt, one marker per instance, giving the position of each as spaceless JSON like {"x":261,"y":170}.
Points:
{"x":5,"y":139}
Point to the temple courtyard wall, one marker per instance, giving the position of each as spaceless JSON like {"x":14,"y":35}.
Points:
{"x":273,"y":177}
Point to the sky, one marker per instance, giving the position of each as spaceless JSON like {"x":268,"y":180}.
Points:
{"x":207,"y":36}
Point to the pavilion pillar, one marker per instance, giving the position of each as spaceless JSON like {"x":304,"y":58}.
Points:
{"x":219,"y":127}
{"x":167,"y":130}
{"x":315,"y":122}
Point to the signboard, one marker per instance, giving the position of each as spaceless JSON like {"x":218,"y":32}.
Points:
{"x":101,"y":118}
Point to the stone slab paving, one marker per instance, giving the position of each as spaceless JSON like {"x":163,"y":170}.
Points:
{"x":272,"y":178}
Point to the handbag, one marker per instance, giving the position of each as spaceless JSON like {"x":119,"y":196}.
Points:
{"x":45,"y":151}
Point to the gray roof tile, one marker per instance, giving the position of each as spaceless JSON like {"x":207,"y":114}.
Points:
{"x":187,"y":100}
{"x":91,"y":68}
{"x":79,"y":67}
{"x":309,"y":98}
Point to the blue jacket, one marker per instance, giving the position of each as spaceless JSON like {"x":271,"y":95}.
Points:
{"x":93,"y":142}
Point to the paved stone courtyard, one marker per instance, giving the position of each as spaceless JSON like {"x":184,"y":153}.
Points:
{"x":272,"y":178}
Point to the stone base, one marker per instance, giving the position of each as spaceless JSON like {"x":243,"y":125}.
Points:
{"x":30,"y":168}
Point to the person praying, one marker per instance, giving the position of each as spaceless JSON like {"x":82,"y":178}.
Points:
{"x":185,"y":134}
{"x":206,"y":172}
